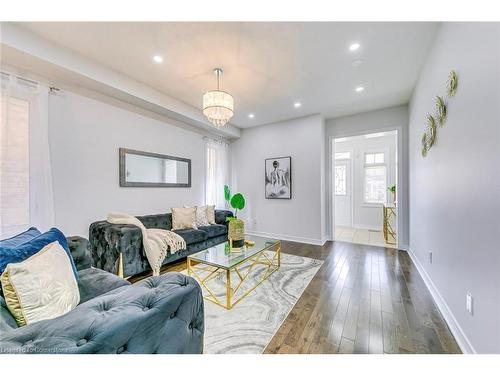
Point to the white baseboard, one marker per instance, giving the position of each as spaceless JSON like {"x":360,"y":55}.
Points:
{"x":367,"y":227}
{"x":284,"y":237}
{"x":457,"y":331}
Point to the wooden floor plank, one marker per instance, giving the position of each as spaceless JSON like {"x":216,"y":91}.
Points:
{"x":376,"y":343}
{"x":346,"y":346}
{"x":389,"y":333}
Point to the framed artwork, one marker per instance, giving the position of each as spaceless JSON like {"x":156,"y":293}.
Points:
{"x":278,"y":178}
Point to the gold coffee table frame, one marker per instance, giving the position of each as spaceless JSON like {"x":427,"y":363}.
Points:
{"x":260,"y":257}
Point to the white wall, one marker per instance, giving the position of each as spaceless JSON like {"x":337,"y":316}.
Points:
{"x":371,"y":122}
{"x":302,"y":217}
{"x":368,"y":216}
{"x":85,"y":136}
{"x":455,"y":190}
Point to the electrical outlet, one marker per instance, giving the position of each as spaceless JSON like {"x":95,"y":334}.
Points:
{"x":469,"y":303}
{"x":430,"y":257}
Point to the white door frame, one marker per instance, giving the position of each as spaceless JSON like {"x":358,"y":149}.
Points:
{"x":401,"y":194}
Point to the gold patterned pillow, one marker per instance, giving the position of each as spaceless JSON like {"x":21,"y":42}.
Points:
{"x":201,"y":216}
{"x":40,"y":287}
{"x":184,"y":218}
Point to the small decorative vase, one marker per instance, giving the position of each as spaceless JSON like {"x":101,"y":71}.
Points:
{"x":236,"y":233}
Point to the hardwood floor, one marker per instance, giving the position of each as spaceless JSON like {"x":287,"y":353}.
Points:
{"x":364,"y":299}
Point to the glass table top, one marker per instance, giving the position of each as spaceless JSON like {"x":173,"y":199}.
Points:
{"x":221,"y":256}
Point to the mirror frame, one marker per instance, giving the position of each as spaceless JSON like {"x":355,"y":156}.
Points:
{"x":124,"y":183}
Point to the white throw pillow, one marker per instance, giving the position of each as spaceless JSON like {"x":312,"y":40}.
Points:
{"x":40,"y":287}
{"x":201,"y":216}
{"x":211,"y":214}
{"x":184,"y":218}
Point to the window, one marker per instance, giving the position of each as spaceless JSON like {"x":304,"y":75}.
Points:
{"x":211,"y":180}
{"x":375,"y":158}
{"x":340,"y":180}
{"x":215,"y":173}
{"x":375,"y":178}
{"x":26,"y":197}
{"x":14,"y":159}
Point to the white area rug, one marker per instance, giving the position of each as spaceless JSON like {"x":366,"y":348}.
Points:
{"x":250,"y":325}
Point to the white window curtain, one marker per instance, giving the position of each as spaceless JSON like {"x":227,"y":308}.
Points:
{"x":26,"y":195}
{"x":217,"y":172}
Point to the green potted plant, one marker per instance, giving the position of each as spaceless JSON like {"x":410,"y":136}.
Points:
{"x":236,"y":227}
{"x":392,"y":189}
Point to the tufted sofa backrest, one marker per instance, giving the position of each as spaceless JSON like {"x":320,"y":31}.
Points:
{"x":80,"y":251}
{"x":159,"y":221}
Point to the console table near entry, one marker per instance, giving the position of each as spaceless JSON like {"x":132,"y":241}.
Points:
{"x":390,"y":215}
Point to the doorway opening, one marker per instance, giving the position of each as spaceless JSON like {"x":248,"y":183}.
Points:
{"x":365,"y":179}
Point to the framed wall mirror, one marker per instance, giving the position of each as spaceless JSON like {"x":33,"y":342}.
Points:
{"x":147,"y":169}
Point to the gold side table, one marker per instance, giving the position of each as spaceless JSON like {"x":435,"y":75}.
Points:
{"x":390,"y":213}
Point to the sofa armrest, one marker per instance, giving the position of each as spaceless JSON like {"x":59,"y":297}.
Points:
{"x":108,"y":241}
{"x":162,"y":314}
{"x":221,"y":215}
{"x":80,"y":251}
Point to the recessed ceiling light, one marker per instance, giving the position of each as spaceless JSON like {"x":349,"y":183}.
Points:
{"x":357,"y":63}
{"x":157,"y":59}
{"x":297,"y":104}
{"x":354,"y":46}
{"x":251,"y":115}
{"x":359,"y":88}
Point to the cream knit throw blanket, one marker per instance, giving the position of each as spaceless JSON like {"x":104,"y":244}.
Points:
{"x":155,"y":241}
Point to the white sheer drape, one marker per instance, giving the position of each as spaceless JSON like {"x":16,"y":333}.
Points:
{"x":217,"y":172}
{"x":26,"y":195}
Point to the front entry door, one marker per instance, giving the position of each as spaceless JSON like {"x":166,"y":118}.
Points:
{"x":342,"y":180}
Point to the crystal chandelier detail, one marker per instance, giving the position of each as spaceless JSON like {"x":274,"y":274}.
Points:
{"x":218,"y":105}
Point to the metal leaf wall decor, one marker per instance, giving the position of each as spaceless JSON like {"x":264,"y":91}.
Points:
{"x":431,"y":131}
{"x":441,"y":110}
{"x":424,"y":145}
{"x":452,"y":83}
{"x":429,"y":137}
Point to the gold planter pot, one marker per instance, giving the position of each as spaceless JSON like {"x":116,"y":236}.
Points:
{"x":236,"y":233}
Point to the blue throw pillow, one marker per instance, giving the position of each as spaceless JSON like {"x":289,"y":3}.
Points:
{"x":24,"y":250}
{"x":20,"y":238}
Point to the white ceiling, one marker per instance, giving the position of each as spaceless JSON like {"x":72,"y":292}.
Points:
{"x":267,"y":66}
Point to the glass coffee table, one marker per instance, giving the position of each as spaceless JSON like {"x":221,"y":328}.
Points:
{"x":257,"y":262}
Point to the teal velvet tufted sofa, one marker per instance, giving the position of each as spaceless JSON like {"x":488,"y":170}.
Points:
{"x":118,"y":249}
{"x":162,"y":314}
